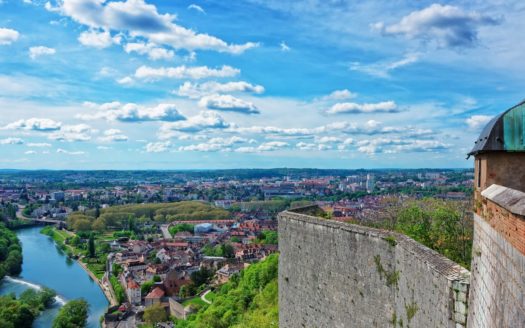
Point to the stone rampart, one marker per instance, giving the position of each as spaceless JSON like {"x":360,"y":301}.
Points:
{"x":333,"y":274}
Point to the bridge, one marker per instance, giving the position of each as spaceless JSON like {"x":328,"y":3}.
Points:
{"x":47,"y":221}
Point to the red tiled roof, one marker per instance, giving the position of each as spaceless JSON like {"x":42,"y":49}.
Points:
{"x":156,"y":293}
{"x":132,"y":284}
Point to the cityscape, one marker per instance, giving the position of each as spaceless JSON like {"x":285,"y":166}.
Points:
{"x":262,"y":164}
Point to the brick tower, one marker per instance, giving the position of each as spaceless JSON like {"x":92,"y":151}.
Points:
{"x":497,"y":290}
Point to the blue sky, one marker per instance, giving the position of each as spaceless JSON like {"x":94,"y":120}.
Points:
{"x":94,"y":84}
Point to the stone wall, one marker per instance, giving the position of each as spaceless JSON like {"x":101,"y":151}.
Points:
{"x":498,"y":264}
{"x":334,"y":274}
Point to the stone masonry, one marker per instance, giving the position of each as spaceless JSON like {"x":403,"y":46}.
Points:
{"x":334,"y":274}
{"x":497,"y":297}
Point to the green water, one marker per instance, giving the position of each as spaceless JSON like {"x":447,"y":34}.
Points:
{"x":46,"y":265}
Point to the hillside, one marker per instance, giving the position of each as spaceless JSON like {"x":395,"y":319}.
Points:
{"x":248,"y":301}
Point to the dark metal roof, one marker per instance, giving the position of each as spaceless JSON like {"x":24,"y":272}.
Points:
{"x":492,"y":138}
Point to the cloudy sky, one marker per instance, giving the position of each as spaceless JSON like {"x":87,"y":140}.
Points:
{"x":176,"y":84}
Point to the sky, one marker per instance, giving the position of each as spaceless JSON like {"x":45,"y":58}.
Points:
{"x":207,"y":84}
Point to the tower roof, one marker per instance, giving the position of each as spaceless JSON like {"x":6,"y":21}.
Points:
{"x":505,"y":132}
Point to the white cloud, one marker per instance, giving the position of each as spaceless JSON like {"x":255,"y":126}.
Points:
{"x":38,"y":51}
{"x":196,"y":90}
{"x":340,"y":95}
{"x":197,"y":8}
{"x":140,"y":19}
{"x":477,"y":122}
{"x":67,"y":152}
{"x":113,"y":135}
{"x":72,"y":133}
{"x":158,"y":147}
{"x":127,"y":80}
{"x":153,"y":52}
{"x":96,"y":39}
{"x":355,"y":108}
{"x":284,"y":47}
{"x":203,"y":121}
{"x":8,"y":36}
{"x":383,"y":69}
{"x":183,"y":72}
{"x":267,"y":146}
{"x":36,"y":124}
{"x":11,"y":141}
{"x":228,"y":103}
{"x":39,"y":144}
{"x":389,"y":145}
{"x":448,"y":26}
{"x":216,"y":144}
{"x":116,"y":111}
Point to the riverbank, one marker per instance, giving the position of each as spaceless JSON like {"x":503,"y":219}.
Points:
{"x":59,"y":240}
{"x":45,"y":264}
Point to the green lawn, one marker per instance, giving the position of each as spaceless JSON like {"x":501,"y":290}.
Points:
{"x":196,"y":300}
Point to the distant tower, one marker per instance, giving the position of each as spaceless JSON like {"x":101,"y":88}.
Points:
{"x":498,"y":253}
{"x":370,"y":183}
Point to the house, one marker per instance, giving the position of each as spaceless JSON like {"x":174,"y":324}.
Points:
{"x":154,"y":297}
{"x":224,"y":274}
{"x":133,"y":292}
{"x":175,"y":279}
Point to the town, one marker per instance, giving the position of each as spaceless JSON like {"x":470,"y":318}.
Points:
{"x":159,"y":244}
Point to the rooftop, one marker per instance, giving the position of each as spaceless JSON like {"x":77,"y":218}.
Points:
{"x":503,"y":133}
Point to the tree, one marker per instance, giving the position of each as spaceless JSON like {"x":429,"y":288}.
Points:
{"x":91,"y":246}
{"x":72,"y":315}
{"x":155,"y":314}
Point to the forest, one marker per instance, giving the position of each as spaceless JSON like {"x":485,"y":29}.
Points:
{"x":121,"y":217}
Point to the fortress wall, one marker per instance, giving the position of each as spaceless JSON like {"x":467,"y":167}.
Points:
{"x":333,"y":274}
{"x":498,"y":260}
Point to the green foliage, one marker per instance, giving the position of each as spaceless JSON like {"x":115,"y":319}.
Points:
{"x":201,"y":277}
{"x":248,"y":300}
{"x":127,"y":217}
{"x":440,"y":225}
{"x":15,"y":314}
{"x":10,"y":252}
{"x":268,"y":237}
{"x":411,"y":310}
{"x":181,"y":227}
{"x":117,"y":288}
{"x":72,"y":315}
{"x":22,"y":312}
{"x":224,"y":250}
{"x":154,"y":314}
{"x":146,"y":287}
{"x":38,"y":300}
{"x":91,"y":246}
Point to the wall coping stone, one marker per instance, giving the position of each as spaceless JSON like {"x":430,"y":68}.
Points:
{"x":436,"y":261}
{"x":510,"y":199}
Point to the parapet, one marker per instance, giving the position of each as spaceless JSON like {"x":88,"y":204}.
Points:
{"x":335,"y":274}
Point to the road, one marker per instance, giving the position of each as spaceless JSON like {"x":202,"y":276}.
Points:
{"x":203,"y":297}
{"x":165,"y":231}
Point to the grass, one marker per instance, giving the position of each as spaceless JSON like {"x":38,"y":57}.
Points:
{"x":196,"y":300}
{"x":210,"y":296}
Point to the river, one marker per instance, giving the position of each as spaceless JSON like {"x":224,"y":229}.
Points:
{"x":46,"y":265}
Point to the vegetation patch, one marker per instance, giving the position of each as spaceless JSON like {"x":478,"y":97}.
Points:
{"x":10,"y":252}
{"x":411,"y":310}
{"x":247,"y":300}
